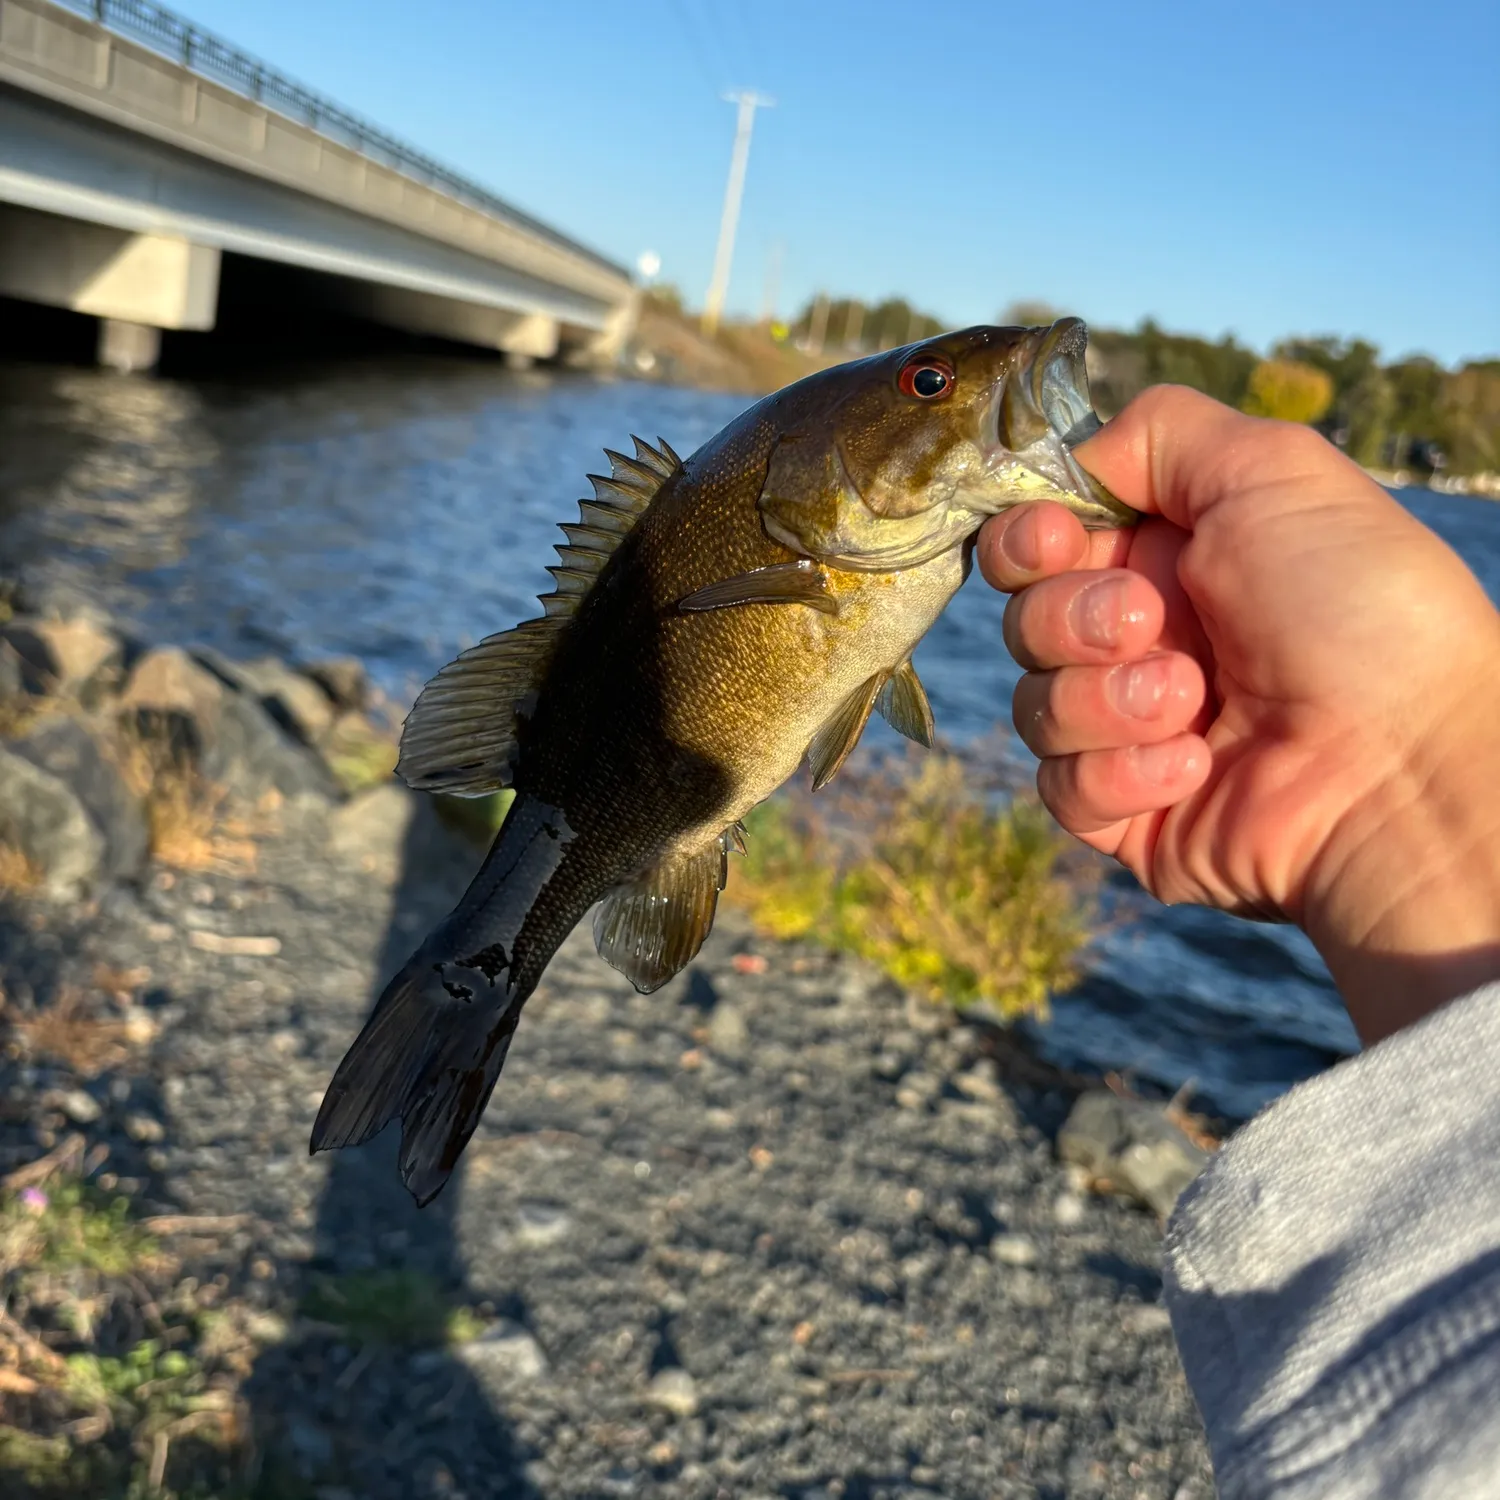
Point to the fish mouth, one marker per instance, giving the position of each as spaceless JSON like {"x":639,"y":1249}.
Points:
{"x":1044,"y":412}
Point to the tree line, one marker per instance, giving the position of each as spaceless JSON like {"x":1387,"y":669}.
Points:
{"x":1407,"y":413}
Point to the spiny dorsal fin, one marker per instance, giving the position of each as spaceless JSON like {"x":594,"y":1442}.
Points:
{"x":460,"y":736}
{"x":650,"y":928}
{"x":831,"y":745}
{"x":903,"y":704}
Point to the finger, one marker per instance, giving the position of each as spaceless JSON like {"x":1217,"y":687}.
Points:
{"x":1040,"y":539}
{"x":1083,"y":618}
{"x":1178,"y":452}
{"x":1096,"y":789}
{"x":1101,"y":708}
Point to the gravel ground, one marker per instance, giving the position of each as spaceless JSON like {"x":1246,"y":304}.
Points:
{"x":771,"y":1232}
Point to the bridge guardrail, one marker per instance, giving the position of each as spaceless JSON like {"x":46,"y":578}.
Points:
{"x":176,"y":37}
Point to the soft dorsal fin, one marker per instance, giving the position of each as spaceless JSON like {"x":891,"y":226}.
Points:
{"x":650,"y":928}
{"x":460,"y":736}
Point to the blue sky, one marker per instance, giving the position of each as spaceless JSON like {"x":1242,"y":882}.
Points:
{"x":1257,"y":169}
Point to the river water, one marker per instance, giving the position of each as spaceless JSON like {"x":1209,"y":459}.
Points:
{"x":398,"y":509}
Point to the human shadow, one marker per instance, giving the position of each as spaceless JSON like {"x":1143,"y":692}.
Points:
{"x":380,"y":1407}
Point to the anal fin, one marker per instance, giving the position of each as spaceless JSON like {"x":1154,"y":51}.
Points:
{"x":903,"y":704}
{"x":831,"y":745}
{"x":650,"y":928}
{"x":799,"y":582}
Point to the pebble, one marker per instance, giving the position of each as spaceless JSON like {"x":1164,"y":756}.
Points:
{"x":1013,"y":1250}
{"x":728,"y":1035}
{"x":507,"y":1350}
{"x":80,"y":1107}
{"x":1068,"y":1210}
{"x":540,"y":1224}
{"x":144,"y":1128}
{"x":674,"y":1390}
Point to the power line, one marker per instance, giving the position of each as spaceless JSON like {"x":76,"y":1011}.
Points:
{"x":695,"y":44}
{"x":748,"y":102}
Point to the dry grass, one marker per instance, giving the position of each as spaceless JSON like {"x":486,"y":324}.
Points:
{"x":19,"y":874}
{"x":188,"y":819}
{"x":72,"y":1032}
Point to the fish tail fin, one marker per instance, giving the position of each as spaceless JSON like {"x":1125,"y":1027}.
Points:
{"x":431,"y":1052}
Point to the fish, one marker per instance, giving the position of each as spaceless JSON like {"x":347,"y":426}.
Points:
{"x":716,"y":621}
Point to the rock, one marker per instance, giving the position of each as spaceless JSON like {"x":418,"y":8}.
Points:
{"x":1013,"y":1250}
{"x":77,"y":753}
{"x":44,"y":822}
{"x":80,"y":1107}
{"x":12,"y":683}
{"x":295,"y":702}
{"x":343,"y":679}
{"x":728,"y":1035}
{"x":674,"y":1391}
{"x":370,"y":830}
{"x":1068,"y":1209}
{"x":145,"y":1129}
{"x":250,"y":754}
{"x":540,"y":1224}
{"x":1133,"y":1145}
{"x":170,"y":699}
{"x":507,"y":1350}
{"x":61,"y":656}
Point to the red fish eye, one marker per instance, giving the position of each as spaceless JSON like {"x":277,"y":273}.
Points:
{"x":928,"y":378}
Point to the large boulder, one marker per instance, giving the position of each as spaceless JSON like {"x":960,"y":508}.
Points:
{"x":45,"y":824}
{"x":78,"y":754}
{"x":343,"y":679}
{"x":1131,"y":1145}
{"x":62,"y":656}
{"x":251,"y":754}
{"x":219,"y":728}
{"x":172,"y":701}
{"x":296,"y":702}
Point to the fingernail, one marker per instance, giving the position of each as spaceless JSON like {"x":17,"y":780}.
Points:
{"x":1099,"y":613}
{"x":1020,"y":546}
{"x":1138,"y":688}
{"x":1160,"y":764}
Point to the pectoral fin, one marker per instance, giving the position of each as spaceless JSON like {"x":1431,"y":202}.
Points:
{"x":799,"y":582}
{"x":904,"y":705}
{"x":650,"y":928}
{"x":831,"y":745}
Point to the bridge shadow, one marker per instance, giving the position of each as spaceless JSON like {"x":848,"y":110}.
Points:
{"x":397,"y":1416}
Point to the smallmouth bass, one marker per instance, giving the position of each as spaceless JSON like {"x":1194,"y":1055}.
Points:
{"x":716,"y":621}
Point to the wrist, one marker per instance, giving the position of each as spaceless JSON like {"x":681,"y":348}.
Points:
{"x":1404,"y":901}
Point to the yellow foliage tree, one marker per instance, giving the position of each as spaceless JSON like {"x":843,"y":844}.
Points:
{"x":1288,"y":390}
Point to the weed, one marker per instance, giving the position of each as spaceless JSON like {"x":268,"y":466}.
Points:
{"x":390,"y":1307}
{"x":70,"y":1226}
{"x":953,"y":897}
{"x":358,"y":755}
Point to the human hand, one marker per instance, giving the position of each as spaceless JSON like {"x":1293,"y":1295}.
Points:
{"x":1279,"y":696}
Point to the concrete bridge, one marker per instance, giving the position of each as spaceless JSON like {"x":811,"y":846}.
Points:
{"x":136,"y":152}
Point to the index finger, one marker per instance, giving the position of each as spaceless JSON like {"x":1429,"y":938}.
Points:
{"x":1039,"y":540}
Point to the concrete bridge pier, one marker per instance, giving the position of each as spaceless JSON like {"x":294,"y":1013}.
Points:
{"x":137,"y":284}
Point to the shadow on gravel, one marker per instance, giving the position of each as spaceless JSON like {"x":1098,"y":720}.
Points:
{"x":395,"y":1416}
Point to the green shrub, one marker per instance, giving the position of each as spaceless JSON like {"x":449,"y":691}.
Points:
{"x":953,"y":897}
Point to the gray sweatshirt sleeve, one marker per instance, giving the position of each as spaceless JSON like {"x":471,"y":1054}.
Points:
{"x":1334,"y":1276}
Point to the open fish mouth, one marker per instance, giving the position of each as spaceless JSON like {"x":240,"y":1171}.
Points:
{"x":1044,"y":412}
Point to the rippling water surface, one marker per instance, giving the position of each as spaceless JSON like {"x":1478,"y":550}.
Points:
{"x":398,"y":510}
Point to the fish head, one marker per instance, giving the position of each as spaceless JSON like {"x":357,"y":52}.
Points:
{"x":891,"y":460}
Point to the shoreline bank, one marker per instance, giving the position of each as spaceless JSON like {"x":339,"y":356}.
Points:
{"x":773,"y":1230}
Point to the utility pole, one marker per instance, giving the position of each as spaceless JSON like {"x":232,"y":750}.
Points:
{"x":748,"y":102}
